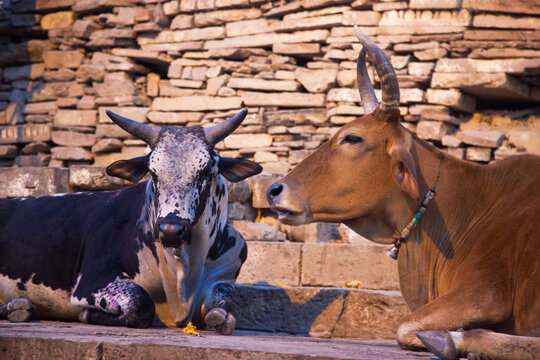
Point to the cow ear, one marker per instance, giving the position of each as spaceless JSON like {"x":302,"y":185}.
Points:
{"x":132,"y":169}
{"x":404,"y":170}
{"x":238,"y":169}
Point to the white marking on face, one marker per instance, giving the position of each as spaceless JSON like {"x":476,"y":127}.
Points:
{"x":177,"y":162}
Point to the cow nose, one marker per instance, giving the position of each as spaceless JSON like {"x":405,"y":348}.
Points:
{"x":274,"y":191}
{"x":171,"y":234}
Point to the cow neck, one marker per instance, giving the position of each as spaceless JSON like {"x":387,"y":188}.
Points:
{"x":393,"y":252}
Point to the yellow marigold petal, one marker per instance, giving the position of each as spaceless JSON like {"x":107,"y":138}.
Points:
{"x":280,"y":285}
{"x":190,"y":329}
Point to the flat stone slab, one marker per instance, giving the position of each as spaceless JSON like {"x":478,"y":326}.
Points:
{"x":59,"y":340}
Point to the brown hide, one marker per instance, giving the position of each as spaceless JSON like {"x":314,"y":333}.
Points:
{"x":473,"y":260}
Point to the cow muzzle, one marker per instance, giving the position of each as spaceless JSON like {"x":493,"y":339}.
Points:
{"x":278,"y":196}
{"x":174,"y":233}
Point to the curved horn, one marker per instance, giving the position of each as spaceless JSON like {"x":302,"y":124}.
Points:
{"x":146,"y":133}
{"x":218,"y":132}
{"x":385,"y":71}
{"x":367,"y":94}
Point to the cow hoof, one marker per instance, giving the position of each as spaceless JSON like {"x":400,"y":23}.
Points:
{"x":439,"y":343}
{"x":19,"y":310}
{"x":221,"y":320}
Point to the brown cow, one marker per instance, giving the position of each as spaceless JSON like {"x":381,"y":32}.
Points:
{"x":473,"y":261}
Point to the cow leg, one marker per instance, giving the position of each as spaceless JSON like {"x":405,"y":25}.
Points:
{"x":17,"y":310}
{"x":462,"y":308}
{"x":120,"y":303}
{"x":220,"y":309}
{"x":480,"y":344}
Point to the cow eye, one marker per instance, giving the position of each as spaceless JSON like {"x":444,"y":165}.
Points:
{"x":351,"y":139}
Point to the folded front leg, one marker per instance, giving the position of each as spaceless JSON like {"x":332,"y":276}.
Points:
{"x":119,"y":303}
{"x":219,"y":309}
{"x":465,"y":307}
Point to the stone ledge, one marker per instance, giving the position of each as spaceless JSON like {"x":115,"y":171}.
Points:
{"x":321,"y":312}
{"x":77,"y":341}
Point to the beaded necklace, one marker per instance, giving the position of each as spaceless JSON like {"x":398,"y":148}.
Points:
{"x":393,"y":252}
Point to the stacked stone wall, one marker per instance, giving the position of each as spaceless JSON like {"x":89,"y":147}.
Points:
{"x":469,"y":72}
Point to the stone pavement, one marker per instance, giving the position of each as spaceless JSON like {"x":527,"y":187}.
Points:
{"x":62,"y":340}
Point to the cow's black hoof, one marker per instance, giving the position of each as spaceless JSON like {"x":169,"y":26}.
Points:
{"x":439,"y":343}
{"x":221,"y":320}
{"x":19,"y":310}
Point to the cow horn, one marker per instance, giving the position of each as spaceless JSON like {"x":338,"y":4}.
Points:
{"x":367,"y":94}
{"x":146,"y":133}
{"x":385,"y":71}
{"x":218,"y":132}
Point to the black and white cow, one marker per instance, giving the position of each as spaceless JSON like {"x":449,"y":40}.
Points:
{"x":117,"y":257}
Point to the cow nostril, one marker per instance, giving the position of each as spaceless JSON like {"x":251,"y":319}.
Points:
{"x":275,"y":189}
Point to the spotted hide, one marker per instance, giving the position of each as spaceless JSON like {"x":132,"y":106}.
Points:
{"x":117,"y":257}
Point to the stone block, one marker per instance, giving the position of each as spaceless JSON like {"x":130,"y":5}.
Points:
{"x":174,"y":118}
{"x":314,"y":116}
{"x":431,"y":130}
{"x":291,"y":99}
{"x":59,"y":75}
{"x":252,"y":231}
{"x":313,"y":232}
{"x":261,"y":84}
{"x":420,"y":68}
{"x":451,"y":141}
{"x":112,"y":131}
{"x":107,"y":145}
{"x":321,"y":312}
{"x":181,"y":22}
{"x":82,"y":177}
{"x":316,"y":80}
{"x":75,"y":118}
{"x":435,"y":4}
{"x":225,"y":16}
{"x":38,"y":91}
{"x":335,"y":264}
{"x":423,"y":22}
{"x":246,"y":27}
{"x":483,"y":138}
{"x":196,"y":103}
{"x":240,"y":141}
{"x":285,"y":260}
{"x":33,"y":160}
{"x":453,"y":98}
{"x":316,"y":22}
{"x":259,"y":184}
{"x":33,"y":181}
{"x":296,"y":49}
{"x":262,"y":40}
{"x":72,"y":138}
{"x":62,"y":59}
{"x":20,"y":134}
{"x":456,"y":152}
{"x":61,"y":19}
{"x":71,"y":153}
{"x":8,"y":151}
{"x":152,"y":84}
{"x":516,"y":66}
{"x":478,"y":154}
{"x":90,"y":72}
{"x":361,"y":18}
{"x":516,"y":6}
{"x":115,"y":84}
{"x":505,"y":21}
{"x":131,"y":112}
{"x":24,"y":72}
{"x":40,"y":107}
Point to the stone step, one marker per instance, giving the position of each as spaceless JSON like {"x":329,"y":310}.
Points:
{"x":321,"y":312}
{"x":57,"y":340}
{"x":319,"y":264}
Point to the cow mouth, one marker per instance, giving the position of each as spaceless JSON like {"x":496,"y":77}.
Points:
{"x":288,"y":216}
